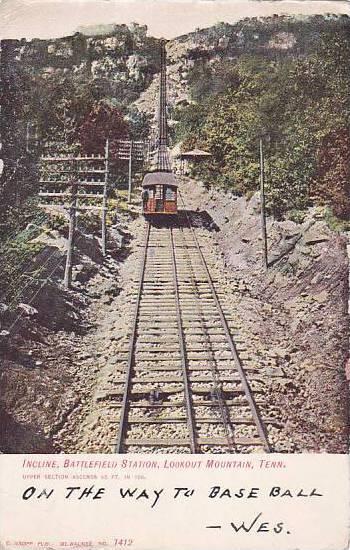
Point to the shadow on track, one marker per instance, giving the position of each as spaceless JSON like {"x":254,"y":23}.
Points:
{"x":181,"y":219}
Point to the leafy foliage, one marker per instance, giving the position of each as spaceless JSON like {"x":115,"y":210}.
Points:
{"x":16,"y":258}
{"x":332,"y":178}
{"x":55,"y":85}
{"x":102,"y":123}
{"x":299,"y":105}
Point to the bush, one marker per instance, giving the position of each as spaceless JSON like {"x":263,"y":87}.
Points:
{"x":334,"y":223}
{"x":296,"y":216}
{"x":57,"y":222}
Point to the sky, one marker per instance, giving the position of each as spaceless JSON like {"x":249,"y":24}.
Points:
{"x":168,"y":18}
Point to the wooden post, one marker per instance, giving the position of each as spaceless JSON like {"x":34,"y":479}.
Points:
{"x":130,"y":173}
{"x":104,"y":202}
{"x":27,"y":138}
{"x":71,"y":236}
{"x":262,"y":201}
{"x":148,"y":151}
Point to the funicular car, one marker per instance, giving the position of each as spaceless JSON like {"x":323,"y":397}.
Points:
{"x":159,"y":193}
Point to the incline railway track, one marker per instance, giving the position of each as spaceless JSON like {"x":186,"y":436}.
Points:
{"x":162,"y":157}
{"x":186,"y":389}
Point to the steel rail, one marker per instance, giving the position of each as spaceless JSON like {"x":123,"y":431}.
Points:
{"x":131,"y":351}
{"x":163,"y":161}
{"x":247,"y":391}
{"x":188,"y":399}
{"x":217,"y":386}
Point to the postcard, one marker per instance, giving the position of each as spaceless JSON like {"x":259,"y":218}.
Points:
{"x":174,"y":274}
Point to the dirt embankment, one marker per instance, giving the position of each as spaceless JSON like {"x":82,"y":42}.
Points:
{"x":298,"y":309}
{"x":48,"y":361}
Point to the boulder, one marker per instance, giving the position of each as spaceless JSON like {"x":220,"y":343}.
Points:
{"x":3,"y":309}
{"x":316,"y":234}
{"x":27,"y":310}
{"x":318,"y":277}
{"x":321,"y":297}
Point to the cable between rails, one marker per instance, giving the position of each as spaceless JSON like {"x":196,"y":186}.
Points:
{"x":217,"y":385}
{"x":247,"y":391}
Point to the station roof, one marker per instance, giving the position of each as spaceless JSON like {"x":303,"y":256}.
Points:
{"x":159,"y":178}
{"x":195,"y":154}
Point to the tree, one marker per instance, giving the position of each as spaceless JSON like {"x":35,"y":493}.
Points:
{"x":102,"y":123}
{"x":331,"y":183}
{"x":140,"y":123}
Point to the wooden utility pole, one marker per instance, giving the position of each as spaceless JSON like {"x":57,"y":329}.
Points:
{"x":71,"y":236}
{"x":262,"y":202}
{"x":130,"y":174}
{"x":104,"y":202}
{"x":31,"y":137}
{"x":87,"y":181}
{"x":134,"y":152}
{"x":27,"y":137}
{"x":90,"y":176}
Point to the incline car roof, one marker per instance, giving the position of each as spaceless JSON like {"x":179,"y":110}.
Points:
{"x":159,"y":178}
